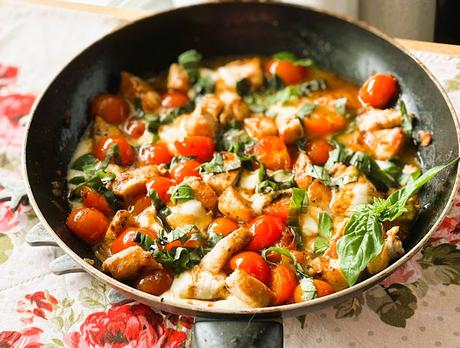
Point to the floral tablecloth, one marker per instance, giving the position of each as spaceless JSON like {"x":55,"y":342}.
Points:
{"x":418,"y":306}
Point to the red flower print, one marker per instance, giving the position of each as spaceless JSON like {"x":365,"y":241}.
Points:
{"x":36,"y":305}
{"x":27,"y":338}
{"x":128,"y":325}
{"x":181,"y":320}
{"x":14,"y":106}
{"x":449,"y":230}
{"x":8,"y":75}
{"x":407,"y":273}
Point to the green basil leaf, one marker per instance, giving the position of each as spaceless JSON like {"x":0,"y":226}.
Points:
{"x":180,"y":159}
{"x":266,"y":186}
{"x":319,"y":172}
{"x":298,"y":205}
{"x":282,"y":176}
{"x":156,"y":201}
{"x":182,"y":193}
{"x":243,"y":87}
{"x":341,"y":106}
{"x":320,"y":245}
{"x":279,"y":250}
{"x":213,"y":238}
{"x":325,"y":225}
{"x":305,"y":62}
{"x":144,"y":241}
{"x":218,"y":165}
{"x":180,"y":232}
{"x":190,"y":61}
{"x":204,"y":85}
{"x":338,"y":155}
{"x":236,"y":141}
{"x":284,"y":55}
{"x":406,"y":119}
{"x":274,"y":83}
{"x":306,"y":109}
{"x":76,"y":180}
{"x":86,"y":160}
{"x":372,"y":171}
{"x":308,"y":288}
{"x":174,"y":113}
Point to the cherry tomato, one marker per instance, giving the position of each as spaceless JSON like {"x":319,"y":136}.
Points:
{"x":155,"y":282}
{"x":253,"y":264}
{"x":272,"y":152}
{"x":174,"y":99}
{"x":379,"y":90}
{"x":125,"y":151}
{"x":323,"y":121}
{"x":161,"y":185}
{"x":283,"y":283}
{"x":93,"y":199}
{"x":266,"y":231}
{"x":135,"y":128}
{"x":286,"y":70}
{"x":141,"y":202}
{"x":223,"y":226}
{"x":191,"y":244}
{"x":155,"y":154}
{"x":88,"y":224}
{"x":111,"y":108}
{"x":185,"y":169}
{"x":323,"y":288}
{"x":199,"y":146}
{"x":318,"y":151}
{"x":126,"y":238}
{"x":279,"y":209}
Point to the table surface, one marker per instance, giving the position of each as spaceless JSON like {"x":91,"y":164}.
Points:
{"x":418,"y":306}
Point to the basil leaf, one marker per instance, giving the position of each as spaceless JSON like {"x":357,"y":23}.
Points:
{"x":406,"y":122}
{"x":338,"y":155}
{"x":218,"y":165}
{"x":320,"y":245}
{"x":283,"y":177}
{"x":204,"y":85}
{"x":213,"y":238}
{"x":243,"y":87}
{"x":274,"y":83}
{"x":406,"y":178}
{"x":174,"y":113}
{"x":144,"y":241}
{"x":279,"y":250}
{"x":298,"y":205}
{"x":180,"y":159}
{"x":182,"y":193}
{"x":179,"y":259}
{"x":266,"y":186}
{"x":156,"y":201}
{"x":308,"y":288}
{"x":341,"y":106}
{"x":319,"y":172}
{"x":77,"y":180}
{"x":284,"y":55}
{"x":372,"y":171}
{"x":86,"y":160}
{"x":190,"y":61}
{"x":306,"y":109}
{"x":325,"y":225}
{"x":180,"y":232}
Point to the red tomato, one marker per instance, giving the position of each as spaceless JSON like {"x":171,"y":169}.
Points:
{"x":161,"y":185}
{"x":318,"y":151}
{"x":198,"y":146}
{"x":266,"y":231}
{"x":323,"y":121}
{"x":155,"y":154}
{"x":88,"y":224}
{"x":125,"y":151}
{"x":174,"y":99}
{"x":141,"y":202}
{"x":135,"y":128}
{"x":253,"y":264}
{"x":191,"y":244}
{"x":323,"y":288}
{"x":272,"y":152}
{"x":283,"y":283}
{"x":111,"y":108}
{"x":286,"y":70}
{"x":155,"y":282}
{"x":184,"y":169}
{"x":126,"y":238}
{"x":379,"y":90}
{"x":93,"y":199}
{"x":223,"y":226}
{"x":279,"y":209}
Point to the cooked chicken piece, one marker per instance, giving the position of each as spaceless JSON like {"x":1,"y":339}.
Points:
{"x":290,"y":128}
{"x":302,"y":179}
{"x":260,"y":126}
{"x":219,"y":182}
{"x":133,"y":87}
{"x":178,"y":78}
{"x":189,"y":212}
{"x":203,"y":120}
{"x":103,"y":129}
{"x":248,"y":181}
{"x":129,"y":262}
{"x":351,"y":195}
{"x":236,"y":110}
{"x":132,"y":181}
{"x":216,"y":259}
{"x":384,"y":144}
{"x":308,"y":222}
{"x":200,"y":284}
{"x":232,"y":204}
{"x":176,"y":130}
{"x":319,"y":195}
{"x":147,"y":218}
{"x":374,"y":119}
{"x":237,"y":70}
{"x":249,"y":289}
{"x":424,"y":138}
{"x":329,"y":270}
{"x":392,"y":249}
{"x":203,"y":192}
{"x":352,"y":140}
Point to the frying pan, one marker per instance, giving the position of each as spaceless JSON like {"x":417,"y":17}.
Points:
{"x":148,"y":46}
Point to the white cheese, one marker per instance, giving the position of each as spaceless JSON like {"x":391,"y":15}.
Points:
{"x":189,"y":212}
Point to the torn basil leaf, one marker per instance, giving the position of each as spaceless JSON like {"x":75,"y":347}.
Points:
{"x":341,"y":106}
{"x":407,"y":119}
{"x":218,"y":165}
{"x":306,"y":109}
{"x":308,"y":288}
{"x":289,"y":56}
{"x":204,"y":85}
{"x":87,"y":160}
{"x":319,"y":172}
{"x":182,"y":193}
{"x":190,"y":61}
{"x":321,"y":243}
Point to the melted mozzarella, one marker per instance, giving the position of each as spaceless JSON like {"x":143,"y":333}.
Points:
{"x":189,"y":212}
{"x":174,"y":131}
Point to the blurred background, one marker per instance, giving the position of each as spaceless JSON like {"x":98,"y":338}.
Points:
{"x":426,"y":20}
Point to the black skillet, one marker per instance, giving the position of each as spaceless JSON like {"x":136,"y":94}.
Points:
{"x":150,"y":45}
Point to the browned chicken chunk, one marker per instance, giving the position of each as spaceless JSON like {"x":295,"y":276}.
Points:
{"x":102,"y":129}
{"x":133,"y":87}
{"x":203,"y":192}
{"x":249,"y":289}
{"x":132,"y":181}
{"x":203,"y":120}
{"x":237,"y":110}
{"x":178,"y":78}
{"x":384,"y":144}
{"x":232,"y":204}
{"x":260,"y":126}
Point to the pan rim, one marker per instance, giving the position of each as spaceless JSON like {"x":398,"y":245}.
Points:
{"x":197,"y":309}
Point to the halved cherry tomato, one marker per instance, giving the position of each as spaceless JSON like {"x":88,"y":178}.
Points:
{"x":135,"y":128}
{"x":125,"y":151}
{"x":174,"y":99}
{"x":318,"y":151}
{"x":191,"y":244}
{"x":323,"y":121}
{"x":88,"y":224}
{"x":161,"y":185}
{"x":184,"y":169}
{"x":266,"y":231}
{"x":272,"y":152}
{"x":280,"y":208}
{"x":323,"y":288}
{"x":155,"y":282}
{"x":253,"y":264}
{"x":379,"y":90}
{"x":283,"y":283}
{"x":126,"y":238}
{"x":223,"y":226}
{"x":111,"y":108}
{"x":198,"y":146}
{"x":141,"y":202}
{"x":155,"y":154}
{"x":93,"y":199}
{"x":286,"y":70}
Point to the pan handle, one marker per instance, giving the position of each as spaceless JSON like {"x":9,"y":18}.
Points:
{"x":236,"y":333}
